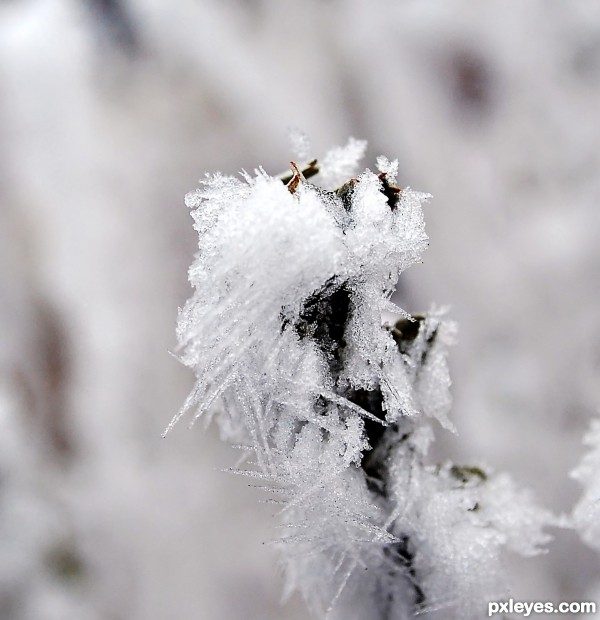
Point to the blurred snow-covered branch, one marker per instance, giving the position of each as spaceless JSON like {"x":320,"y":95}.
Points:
{"x":586,"y":515}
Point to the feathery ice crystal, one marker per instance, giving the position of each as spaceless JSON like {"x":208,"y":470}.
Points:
{"x":284,"y":332}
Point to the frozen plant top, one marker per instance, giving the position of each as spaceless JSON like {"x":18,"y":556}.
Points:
{"x":265,"y":249}
{"x":331,"y":408}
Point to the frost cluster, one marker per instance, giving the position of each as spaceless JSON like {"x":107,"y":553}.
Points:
{"x":334,"y":409}
{"x":586,"y":515}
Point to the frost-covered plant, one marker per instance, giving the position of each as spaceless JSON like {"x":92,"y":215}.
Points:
{"x":334,"y":409}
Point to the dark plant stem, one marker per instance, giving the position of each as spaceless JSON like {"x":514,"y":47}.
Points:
{"x":324,"y":318}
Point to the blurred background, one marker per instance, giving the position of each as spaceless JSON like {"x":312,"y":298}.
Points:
{"x":110,"y":110}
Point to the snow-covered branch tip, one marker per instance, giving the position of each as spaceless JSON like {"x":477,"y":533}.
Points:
{"x":586,"y":513}
{"x":284,"y":333}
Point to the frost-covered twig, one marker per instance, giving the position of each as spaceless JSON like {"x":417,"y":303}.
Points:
{"x":586,"y":514}
{"x":284,"y":332}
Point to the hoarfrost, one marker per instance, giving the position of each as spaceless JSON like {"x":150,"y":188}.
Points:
{"x":341,"y":163}
{"x":284,"y":334}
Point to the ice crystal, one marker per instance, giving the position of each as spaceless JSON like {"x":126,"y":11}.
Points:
{"x":284,"y":333}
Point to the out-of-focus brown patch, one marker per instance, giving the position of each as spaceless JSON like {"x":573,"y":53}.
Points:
{"x":44,"y":384}
{"x":471,"y":81}
{"x":55,"y":367}
{"x":65,"y":563}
